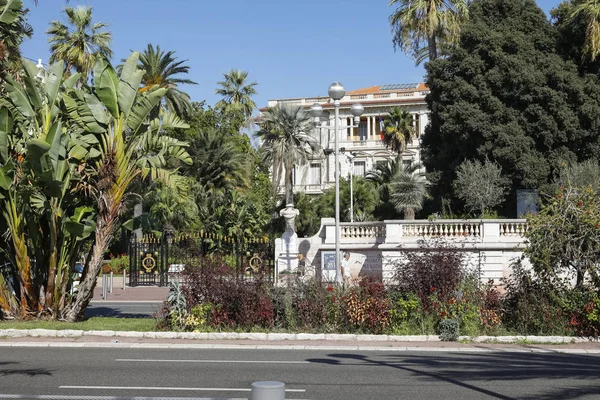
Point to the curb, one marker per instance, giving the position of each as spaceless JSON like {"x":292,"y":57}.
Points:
{"x":117,"y":345}
{"x":282,"y":337}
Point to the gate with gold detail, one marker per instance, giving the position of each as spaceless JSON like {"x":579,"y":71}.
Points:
{"x":148,"y":262}
{"x":153,"y":261}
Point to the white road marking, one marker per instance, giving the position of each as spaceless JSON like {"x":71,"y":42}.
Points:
{"x":63,"y":397}
{"x":189,"y":389}
{"x":213,"y":361}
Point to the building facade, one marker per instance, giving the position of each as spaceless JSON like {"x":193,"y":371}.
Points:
{"x":361,"y":148}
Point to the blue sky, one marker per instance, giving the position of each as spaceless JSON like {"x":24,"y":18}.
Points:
{"x":291,"y":48}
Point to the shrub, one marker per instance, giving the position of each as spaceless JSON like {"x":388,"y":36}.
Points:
{"x":532,"y":305}
{"x":118,"y":264}
{"x":463,"y":307}
{"x":439,"y":267}
{"x":233,"y":302}
{"x":449,"y":330}
{"x":368,"y":307}
{"x":584,"y":309}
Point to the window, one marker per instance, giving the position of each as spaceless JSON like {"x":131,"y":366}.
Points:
{"x":359,"y":168}
{"x":314,"y":174}
{"x":362,"y":131}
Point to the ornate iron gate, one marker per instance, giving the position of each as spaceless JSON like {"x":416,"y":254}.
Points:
{"x":152,"y":259}
{"x":148,"y":262}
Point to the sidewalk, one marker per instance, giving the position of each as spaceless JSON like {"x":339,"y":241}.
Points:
{"x":173,"y":340}
{"x":130,"y":294}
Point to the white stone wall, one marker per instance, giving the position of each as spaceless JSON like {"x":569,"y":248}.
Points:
{"x":376,"y":248}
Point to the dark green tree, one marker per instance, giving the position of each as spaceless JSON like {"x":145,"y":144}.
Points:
{"x":504,"y":93}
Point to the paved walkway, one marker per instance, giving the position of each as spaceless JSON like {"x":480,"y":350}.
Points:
{"x":138,"y":293}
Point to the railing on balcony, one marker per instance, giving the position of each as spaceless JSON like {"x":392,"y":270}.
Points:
{"x":513,"y":228}
{"x":476,"y":230}
{"x":441,"y":228}
{"x":361,"y":231}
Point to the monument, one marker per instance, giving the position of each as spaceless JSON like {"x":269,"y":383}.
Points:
{"x":288,"y":258}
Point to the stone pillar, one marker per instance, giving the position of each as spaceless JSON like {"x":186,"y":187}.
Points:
{"x":368,"y":128}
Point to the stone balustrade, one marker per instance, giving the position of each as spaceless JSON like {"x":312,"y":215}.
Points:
{"x":399,"y":231}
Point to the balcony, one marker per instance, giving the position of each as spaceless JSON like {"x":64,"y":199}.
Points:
{"x":363,"y":98}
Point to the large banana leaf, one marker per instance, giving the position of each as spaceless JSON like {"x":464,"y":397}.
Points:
{"x":52,"y":81}
{"x":6,"y":124}
{"x":129,"y":83}
{"x":29,"y":79}
{"x":81,"y":114}
{"x":169,"y":121}
{"x":106,"y":83}
{"x":6,"y":176}
{"x":144,"y":104}
{"x":19,"y":98}
{"x":9,"y":13}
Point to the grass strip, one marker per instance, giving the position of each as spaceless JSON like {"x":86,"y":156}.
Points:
{"x":91,"y":324}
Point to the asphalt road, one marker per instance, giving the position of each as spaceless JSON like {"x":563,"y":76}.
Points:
{"x":119,"y":374}
{"x":125,"y":309}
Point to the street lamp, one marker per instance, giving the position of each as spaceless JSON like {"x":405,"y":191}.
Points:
{"x":351,"y":160}
{"x":336,"y":93}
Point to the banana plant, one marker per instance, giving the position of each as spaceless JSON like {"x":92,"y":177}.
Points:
{"x":39,"y":168}
{"x":130,"y":146}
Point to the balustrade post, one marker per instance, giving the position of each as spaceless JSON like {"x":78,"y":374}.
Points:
{"x":490,"y":231}
{"x":393,"y":232}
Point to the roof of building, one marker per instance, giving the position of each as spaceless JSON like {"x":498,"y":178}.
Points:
{"x":404,"y":87}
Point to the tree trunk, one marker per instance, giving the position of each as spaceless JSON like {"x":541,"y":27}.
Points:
{"x":409,"y":213}
{"x":432,"y":47}
{"x":104,"y":234}
{"x":289,"y":185}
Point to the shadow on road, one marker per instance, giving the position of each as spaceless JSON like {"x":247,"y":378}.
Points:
{"x":119,"y":312}
{"x":28,"y":371}
{"x":466,"y":369}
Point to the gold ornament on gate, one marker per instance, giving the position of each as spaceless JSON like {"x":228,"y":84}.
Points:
{"x":148,"y":263}
{"x":255,"y":263}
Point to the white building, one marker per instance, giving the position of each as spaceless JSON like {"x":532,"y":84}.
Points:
{"x":363,"y":145}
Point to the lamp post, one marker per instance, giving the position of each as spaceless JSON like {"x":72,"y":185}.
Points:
{"x":336,"y":93}
{"x":351,"y":159}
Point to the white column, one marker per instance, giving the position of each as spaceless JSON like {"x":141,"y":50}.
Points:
{"x":374,"y":128}
{"x":368,"y":128}
{"x":350,"y":131}
{"x":424,"y":119}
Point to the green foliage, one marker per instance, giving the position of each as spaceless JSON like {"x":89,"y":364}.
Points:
{"x":449,"y":330}
{"x":408,"y":189}
{"x":564,"y":237}
{"x":480,"y":186}
{"x":236,"y":92}
{"x":80,"y":44}
{"x":426,"y":24}
{"x":13,"y":31}
{"x":161,"y":69}
{"x":286,"y":141}
{"x":531,"y":305}
{"x":504,"y":93}
{"x":399,"y":129}
{"x":118,"y":264}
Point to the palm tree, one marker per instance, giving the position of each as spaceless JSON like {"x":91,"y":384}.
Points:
{"x":408,"y":190}
{"x":419,"y":23}
{"x":382,"y":175}
{"x":284,"y":132}
{"x":79,"y":46}
{"x":162,"y":71}
{"x":589,"y":10}
{"x":220,"y":166}
{"x":398,"y":129}
{"x":13,"y":30}
{"x":236,"y":92}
